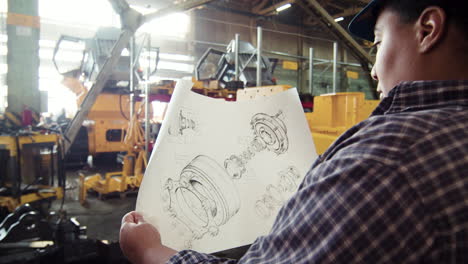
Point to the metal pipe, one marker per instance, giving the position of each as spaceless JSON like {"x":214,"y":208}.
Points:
{"x":180,"y":7}
{"x":132,"y":83}
{"x":279,"y":54}
{"x":147,"y":101}
{"x":259,"y":56}
{"x":326,"y":69}
{"x":335,"y":66}
{"x":266,"y":30}
{"x":322,"y":62}
{"x":339,"y":63}
{"x":311,"y":70}
{"x":247,"y":63}
{"x":306,"y":58}
{"x":237,"y":57}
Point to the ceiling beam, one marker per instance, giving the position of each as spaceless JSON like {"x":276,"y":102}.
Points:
{"x":348,"y":12}
{"x":272,"y":9}
{"x":312,"y":21}
{"x":259,"y":5}
{"x":335,"y":5}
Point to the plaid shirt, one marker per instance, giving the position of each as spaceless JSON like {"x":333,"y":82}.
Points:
{"x":392,"y":189}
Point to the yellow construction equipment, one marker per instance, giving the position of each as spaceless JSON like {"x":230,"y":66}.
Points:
{"x":30,"y":164}
{"x":334,"y":114}
{"x":105,"y":124}
{"x":134,"y":164}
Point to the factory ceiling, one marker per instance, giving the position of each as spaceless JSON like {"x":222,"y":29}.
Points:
{"x":299,"y":13}
{"x":267,"y":9}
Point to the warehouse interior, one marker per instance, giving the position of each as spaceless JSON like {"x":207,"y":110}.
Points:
{"x":85,"y":85}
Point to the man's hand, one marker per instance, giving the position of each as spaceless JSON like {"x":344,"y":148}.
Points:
{"x":141,"y":242}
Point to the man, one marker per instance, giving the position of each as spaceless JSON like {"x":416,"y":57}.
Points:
{"x":392,"y":189}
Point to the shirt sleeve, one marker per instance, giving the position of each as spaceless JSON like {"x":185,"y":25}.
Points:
{"x":192,"y":257}
{"x":347,"y":210}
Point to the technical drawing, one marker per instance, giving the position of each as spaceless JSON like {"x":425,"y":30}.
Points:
{"x":270,"y":133}
{"x":276,"y":195}
{"x":182,"y":124}
{"x":203,"y":198}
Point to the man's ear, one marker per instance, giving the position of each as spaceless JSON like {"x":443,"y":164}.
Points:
{"x":431,"y":27}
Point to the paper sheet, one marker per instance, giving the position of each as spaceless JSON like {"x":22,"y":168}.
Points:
{"x":221,"y":170}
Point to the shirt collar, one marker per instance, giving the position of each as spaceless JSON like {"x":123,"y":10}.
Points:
{"x":411,"y":96}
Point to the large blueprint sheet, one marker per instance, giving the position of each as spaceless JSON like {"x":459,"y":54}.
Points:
{"x":221,"y":170}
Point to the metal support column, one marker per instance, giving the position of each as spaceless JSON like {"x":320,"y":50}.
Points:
{"x":237,"y":57}
{"x":300,"y":67}
{"x":335,"y":66}
{"x":23,"y":30}
{"x":259,"y":56}
{"x":147,"y":101}
{"x":311,"y":70}
{"x":132,"y":81}
{"x":313,"y":8}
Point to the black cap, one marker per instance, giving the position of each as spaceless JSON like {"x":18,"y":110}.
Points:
{"x":363,"y":23}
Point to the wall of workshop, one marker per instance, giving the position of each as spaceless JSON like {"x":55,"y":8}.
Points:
{"x":219,"y":28}
{"x":215,"y":28}
{"x":210,"y":28}
{"x":3,"y":56}
{"x":351,"y":78}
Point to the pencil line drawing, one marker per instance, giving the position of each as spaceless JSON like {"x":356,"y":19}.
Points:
{"x":203,"y":198}
{"x":276,"y":195}
{"x":183,"y":123}
{"x":270,"y":133}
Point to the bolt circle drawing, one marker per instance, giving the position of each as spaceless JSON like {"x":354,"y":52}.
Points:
{"x":272,"y":131}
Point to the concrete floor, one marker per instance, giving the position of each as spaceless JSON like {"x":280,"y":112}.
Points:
{"x":101,"y":217}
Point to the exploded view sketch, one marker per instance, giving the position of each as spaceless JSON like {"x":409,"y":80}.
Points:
{"x":183,"y":123}
{"x":270,"y":133}
{"x":204,"y":196}
{"x":276,"y":195}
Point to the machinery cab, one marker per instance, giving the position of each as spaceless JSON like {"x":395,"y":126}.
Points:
{"x":220,"y":66}
{"x":107,"y":120}
{"x":95,"y":51}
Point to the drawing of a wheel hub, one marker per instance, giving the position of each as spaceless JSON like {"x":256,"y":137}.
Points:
{"x":204,"y":198}
{"x":272,"y":131}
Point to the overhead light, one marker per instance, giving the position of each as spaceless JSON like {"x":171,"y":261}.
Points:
{"x":339,"y":19}
{"x":283,"y":7}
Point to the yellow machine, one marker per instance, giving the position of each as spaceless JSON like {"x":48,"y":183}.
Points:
{"x":334,"y":114}
{"x":102,"y":129}
{"x":105,"y":125}
{"x":29,"y":165}
{"x":134,"y":164}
